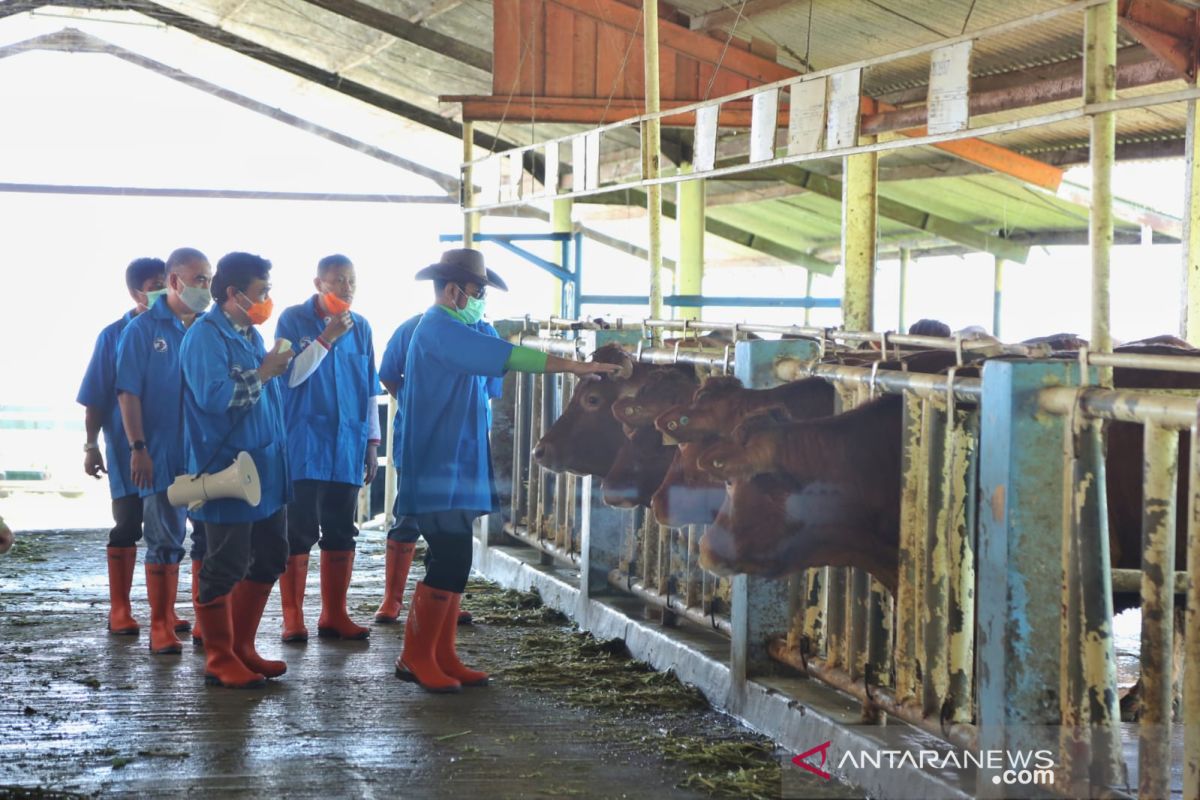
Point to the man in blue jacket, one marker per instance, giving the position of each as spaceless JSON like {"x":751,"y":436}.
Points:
{"x":445,"y":456}
{"x":233,"y":403}
{"x":332,"y":443}
{"x":146,"y":280}
{"x":402,"y":538}
{"x":149,"y":390}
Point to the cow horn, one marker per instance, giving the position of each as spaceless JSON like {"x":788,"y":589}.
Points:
{"x":626,"y":364}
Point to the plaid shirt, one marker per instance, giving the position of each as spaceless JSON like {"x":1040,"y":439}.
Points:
{"x":247,"y":386}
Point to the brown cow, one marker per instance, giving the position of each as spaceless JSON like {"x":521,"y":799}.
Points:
{"x":643,"y":459}
{"x":688,"y":495}
{"x":586,"y":438}
{"x":834,"y":493}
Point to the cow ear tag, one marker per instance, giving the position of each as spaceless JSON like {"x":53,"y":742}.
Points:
{"x":669,"y":440}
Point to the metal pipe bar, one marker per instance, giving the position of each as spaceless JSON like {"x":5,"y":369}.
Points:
{"x":542,"y":545}
{"x":996,"y":30}
{"x":1161,"y":459}
{"x":1130,"y":580}
{"x":698,"y":301}
{"x":627,"y":583}
{"x":968,"y":390}
{"x":1135,"y":361}
{"x":566,"y":348}
{"x":1125,"y":405}
{"x":963,"y":735}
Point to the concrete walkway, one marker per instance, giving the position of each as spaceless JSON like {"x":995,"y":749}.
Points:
{"x":84,"y":712}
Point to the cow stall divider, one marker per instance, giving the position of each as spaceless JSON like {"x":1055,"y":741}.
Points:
{"x":999,"y":634}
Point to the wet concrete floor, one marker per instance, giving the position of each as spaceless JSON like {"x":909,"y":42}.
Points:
{"x":82,"y":712}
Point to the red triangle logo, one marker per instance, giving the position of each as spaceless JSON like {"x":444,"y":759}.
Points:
{"x":800,"y":761}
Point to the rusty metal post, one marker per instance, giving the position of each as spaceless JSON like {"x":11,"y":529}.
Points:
{"x":1191,"y":638}
{"x":1100,"y":86}
{"x":936,"y":606}
{"x":759,"y":606}
{"x":1189,"y":319}
{"x":1161,"y":458}
{"x":1020,"y":567}
{"x":859,"y":206}
{"x":909,"y":584}
{"x":962,"y":435}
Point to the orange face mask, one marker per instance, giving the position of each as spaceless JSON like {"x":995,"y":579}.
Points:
{"x":259,"y":312}
{"x":334,"y":304}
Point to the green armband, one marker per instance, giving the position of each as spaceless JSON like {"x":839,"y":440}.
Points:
{"x":526,"y":359}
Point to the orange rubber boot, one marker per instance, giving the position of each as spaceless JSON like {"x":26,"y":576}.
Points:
{"x":197,"y":636}
{"x":399,"y":562}
{"x":447,"y":654}
{"x":334,"y":622}
{"x":291,"y":597}
{"x":221,"y":666}
{"x":178,"y":624}
{"x":121,"y":562}
{"x":247,"y":601}
{"x":158,"y":590}
{"x":426,"y":620}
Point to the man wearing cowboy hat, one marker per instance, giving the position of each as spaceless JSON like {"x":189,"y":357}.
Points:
{"x":445,"y":470}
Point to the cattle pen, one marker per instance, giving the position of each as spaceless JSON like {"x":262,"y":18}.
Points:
{"x":998,"y":482}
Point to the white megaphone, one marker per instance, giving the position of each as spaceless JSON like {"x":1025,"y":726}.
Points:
{"x":239,"y":481}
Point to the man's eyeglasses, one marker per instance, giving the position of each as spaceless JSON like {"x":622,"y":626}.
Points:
{"x":479,"y":295}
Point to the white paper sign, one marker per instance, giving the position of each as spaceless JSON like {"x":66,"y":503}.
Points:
{"x":845,"y":103}
{"x":806,"y":116}
{"x":764,"y":118}
{"x":949,"y":88}
{"x":705,"y":155}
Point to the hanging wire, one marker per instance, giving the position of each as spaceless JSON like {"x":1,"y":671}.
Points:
{"x":808,"y":37}
{"x":967,"y":21}
{"x":617,"y":76}
{"x":741,"y":10}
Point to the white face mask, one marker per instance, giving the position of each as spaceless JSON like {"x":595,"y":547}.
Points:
{"x":195,"y":297}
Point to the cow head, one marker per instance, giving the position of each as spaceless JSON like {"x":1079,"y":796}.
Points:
{"x":749,"y":451}
{"x":662,"y":389}
{"x":688,"y":495}
{"x":586,"y":438}
{"x":709,"y":414}
{"x":638,"y":469}
{"x":772,"y":527}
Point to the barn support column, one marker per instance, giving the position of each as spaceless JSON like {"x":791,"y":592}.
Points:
{"x":1024,"y":495}
{"x":602,"y":526}
{"x":997,"y":297}
{"x":808,"y":282}
{"x":905,"y":256}
{"x":560,"y":222}
{"x":1100,"y":86}
{"x":1190,"y":317}
{"x":651,"y":155}
{"x":470,"y":218}
{"x":860,"y":202}
{"x":760,"y":606}
{"x":689,"y":270}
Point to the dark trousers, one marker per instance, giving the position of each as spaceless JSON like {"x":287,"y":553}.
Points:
{"x":448,"y":538}
{"x":405,"y":529}
{"x":127,"y":514}
{"x":198,"y":540}
{"x":254,"y":551}
{"x":322,"y":511}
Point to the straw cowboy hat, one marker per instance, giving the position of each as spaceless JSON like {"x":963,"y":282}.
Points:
{"x":462,"y":266}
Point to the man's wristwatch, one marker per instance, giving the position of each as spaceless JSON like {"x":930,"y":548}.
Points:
{"x":140,"y":444}
{"x":90,"y":446}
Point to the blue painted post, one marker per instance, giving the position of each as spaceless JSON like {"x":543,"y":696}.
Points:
{"x":602,"y":527}
{"x":760,"y":606}
{"x":1022,"y":489}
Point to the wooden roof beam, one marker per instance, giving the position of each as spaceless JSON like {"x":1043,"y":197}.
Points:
{"x":1166,"y":29}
